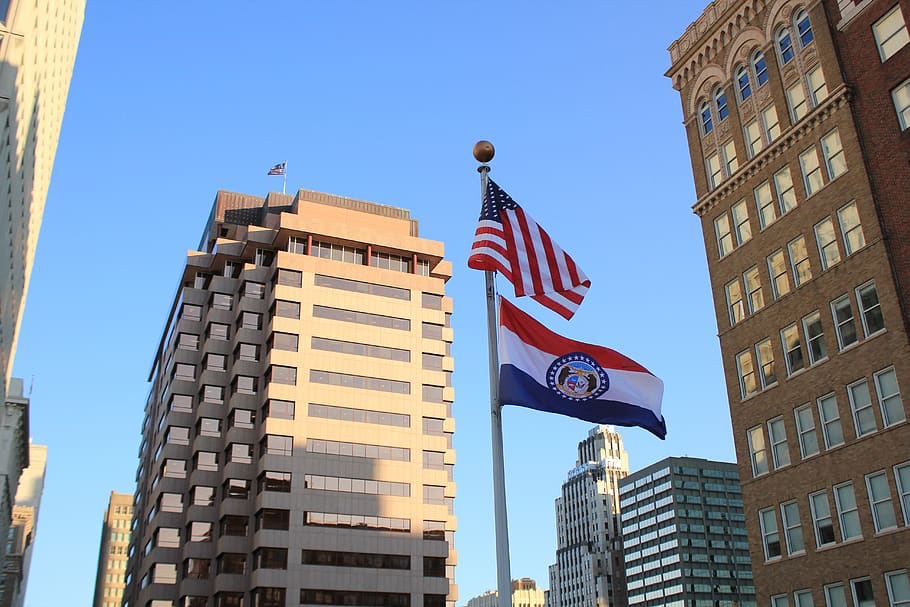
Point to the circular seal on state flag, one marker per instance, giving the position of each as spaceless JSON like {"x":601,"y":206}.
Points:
{"x":577,"y":377}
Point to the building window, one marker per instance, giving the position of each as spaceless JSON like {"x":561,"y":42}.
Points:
{"x":862,"y":592}
{"x":222,"y":301}
{"x":818,"y":90}
{"x":827,"y":243}
{"x":202,"y":495}
{"x":793,"y":530}
{"x":715,"y":175}
{"x":902,"y":479}
{"x":390,"y":261}
{"x":799,"y":260}
{"x":830,"y":418}
{"x":297,"y":244}
{"x":230,"y":562}
{"x":845,"y":326}
{"x":197,"y":569}
{"x":164,"y":573}
{"x":765,"y":354}
{"x":746,"y":371}
{"x":274,"y":444}
{"x":199,"y":531}
{"x":803,"y":598}
{"x":759,"y":68}
{"x":250,"y":320}
{"x":784,"y":46}
{"x":780,"y":453}
{"x":363,"y":318}
{"x":206,"y":461}
{"x":244,"y":384}
{"x":279,"y":482}
{"x":770,"y":123}
{"x":880,"y":501}
{"x":754,"y":141}
{"x":208,"y":426}
{"x":188,"y":341}
{"x":851,"y":229}
{"x":174,"y":468}
{"x":764,"y":200}
{"x":805,"y":428}
{"x":793,"y":349}
{"x":812,"y":172}
{"x":780,"y":600}
{"x":870,"y":309}
{"x":359,"y":381}
{"x":290,"y":278}
{"x":861,"y":406}
{"x":821,"y":519}
{"x":769,"y":533}
{"x":219,"y":331}
{"x":191,"y":312}
{"x":279,"y":409}
{"x":235,"y":488}
{"x":780,"y":279}
{"x":783,"y":184}
{"x":360,"y":349}
{"x":889,"y":397}
{"x":835,"y":596}
{"x":273,"y":518}
{"x":803,"y":28}
{"x":215,"y":362}
{"x":213,"y":394}
{"x":253,"y":290}
{"x":847,"y":514}
{"x":833,"y":151}
{"x":240,"y":453}
{"x":898,"y":588}
{"x":890,"y":33}
{"x":730,"y":161}
{"x":338,"y":252}
{"x":742,"y":83}
{"x":723,"y":234}
{"x":270,"y":558}
{"x":757,"y":453}
{"x":741,"y":226}
{"x":287,"y":309}
{"x":755,"y":298}
{"x":796,"y":101}
{"x":734,"y":301}
{"x":900,"y":95}
{"x":720,"y":102}
{"x":185,"y":372}
{"x":707,"y":124}
{"x":815,"y":338}
{"x":247,"y":352}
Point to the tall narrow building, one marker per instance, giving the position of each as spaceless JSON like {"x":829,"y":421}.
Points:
{"x":112,"y":556}
{"x":588,"y":571}
{"x":297,"y":442}
{"x":796,"y":115}
{"x":24,"y":529}
{"x":38,"y":40}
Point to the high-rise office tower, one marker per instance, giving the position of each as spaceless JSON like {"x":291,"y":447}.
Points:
{"x":588,"y":570}
{"x":38,"y":41}
{"x":525,"y":593}
{"x":796,"y":116}
{"x":684,"y":535}
{"x":24,"y":528}
{"x":297,"y":443}
{"x":112,"y":556}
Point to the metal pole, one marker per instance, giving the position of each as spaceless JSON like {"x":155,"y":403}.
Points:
{"x":284,"y":184}
{"x":503,"y":569}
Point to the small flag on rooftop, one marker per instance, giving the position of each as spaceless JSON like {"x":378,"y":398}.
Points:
{"x":278,"y":169}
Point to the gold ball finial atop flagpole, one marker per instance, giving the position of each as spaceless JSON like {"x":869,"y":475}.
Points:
{"x":484,"y":151}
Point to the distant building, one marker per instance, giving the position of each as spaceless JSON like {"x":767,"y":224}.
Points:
{"x":24,"y":528}
{"x":14,"y":452}
{"x":112,"y":557}
{"x":525,"y":593}
{"x":684,"y":535}
{"x":38,"y":40}
{"x":588,"y":569}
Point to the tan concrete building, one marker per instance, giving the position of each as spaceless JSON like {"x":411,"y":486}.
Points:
{"x":112,"y":556}
{"x":14,"y":452}
{"x":38,"y":41}
{"x":525,"y":593}
{"x":297,"y":443}
{"x":796,"y":115}
{"x":24,"y":528}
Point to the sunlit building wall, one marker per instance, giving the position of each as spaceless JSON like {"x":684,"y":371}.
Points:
{"x":112,"y":556}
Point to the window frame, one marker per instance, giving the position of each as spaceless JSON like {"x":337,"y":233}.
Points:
{"x":839,"y":324}
{"x":882,"y":398}
{"x":881,"y":42}
{"x":770,"y":536}
{"x":844,"y":511}
{"x":803,"y":431}
{"x":858,"y":409}
{"x":827,"y":422}
{"x":885,"y":500}
{"x":780,"y":448}
{"x":826,"y":241}
{"x":865,"y":312}
{"x":816,"y":518}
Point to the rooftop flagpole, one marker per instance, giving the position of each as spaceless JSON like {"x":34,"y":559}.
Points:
{"x":483,"y":153}
{"x":284,"y":184}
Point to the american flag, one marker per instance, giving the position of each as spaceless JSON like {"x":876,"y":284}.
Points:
{"x":510,"y":242}
{"x":278,"y":169}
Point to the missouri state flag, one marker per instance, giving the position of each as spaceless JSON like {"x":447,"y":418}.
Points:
{"x":541,"y":370}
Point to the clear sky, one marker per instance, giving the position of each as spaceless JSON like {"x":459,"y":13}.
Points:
{"x":382,"y":101}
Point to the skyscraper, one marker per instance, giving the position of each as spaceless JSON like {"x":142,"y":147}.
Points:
{"x":588,"y":571}
{"x":796,"y":116}
{"x":297,"y":443}
{"x":112,"y":556}
{"x":684,"y":535}
{"x":17,"y":563}
{"x":38,"y":41}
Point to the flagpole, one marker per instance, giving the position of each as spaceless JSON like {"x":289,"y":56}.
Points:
{"x":483,"y":153}
{"x":284,"y":184}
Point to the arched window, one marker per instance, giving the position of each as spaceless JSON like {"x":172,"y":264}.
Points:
{"x":784,"y":46}
{"x":759,"y":68}
{"x":720,"y":102}
{"x":803,"y":28}
{"x":707,"y":125}
{"x":742,"y":83}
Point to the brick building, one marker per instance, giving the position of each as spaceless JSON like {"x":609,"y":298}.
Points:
{"x":795,"y":114}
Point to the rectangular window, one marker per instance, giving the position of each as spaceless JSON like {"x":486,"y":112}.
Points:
{"x":842,"y":312}
{"x":287,"y":309}
{"x":827,"y":243}
{"x":833,"y":151}
{"x":219,"y":331}
{"x":390,"y":261}
{"x":764,"y":200}
{"x":770,"y":123}
{"x":851,"y":229}
{"x":752,"y":281}
{"x":783,"y":185}
{"x":215,"y":362}
{"x":829,"y":414}
{"x":847,"y":514}
{"x":796,"y":100}
{"x":803,"y":598}
{"x":780,"y":279}
{"x":253,"y":290}
{"x":188,"y":341}
{"x":364,"y":416}
{"x":715,"y":175}
{"x":818,"y":90}
{"x":338,"y":252}
{"x":349,"y":347}
{"x":770,"y":536}
{"x":780,"y":600}
{"x":730,"y":162}
{"x":821,"y":519}
{"x":247,"y":352}
{"x":746,"y":371}
{"x":185,"y":372}
{"x":901,"y":98}
{"x":870,"y":309}
{"x":799,"y":261}
{"x":793,"y":349}
{"x":213,"y":394}
{"x":279,"y":482}
{"x":368,"y":288}
{"x":862,"y":592}
{"x":780,"y":453}
{"x":861,"y":406}
{"x":805,"y":427}
{"x":812,"y":172}
{"x":835,"y":596}
{"x":889,"y":397}
{"x":890,"y":33}
{"x":359,"y":381}
{"x":191,"y":312}
{"x":754,"y":142}
{"x":723,"y":234}
{"x":902,"y":480}
{"x":741,"y":226}
{"x":275,"y":444}
{"x":297,"y":244}
{"x":765,"y":354}
{"x":221,"y":301}
{"x":734,"y":301}
{"x":279,"y":409}
{"x":250,"y":320}
{"x":290,"y":278}
{"x":793,"y":529}
{"x":244,"y":384}
{"x":815,"y":338}
{"x":898,"y":584}
{"x":757,"y":453}
{"x":285,"y":341}
{"x":880,"y":501}
{"x":365,"y":318}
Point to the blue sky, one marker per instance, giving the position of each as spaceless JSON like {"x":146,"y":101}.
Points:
{"x":171,"y":101}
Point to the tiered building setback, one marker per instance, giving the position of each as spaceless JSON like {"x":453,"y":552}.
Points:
{"x":796,"y":114}
{"x":297,"y":444}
